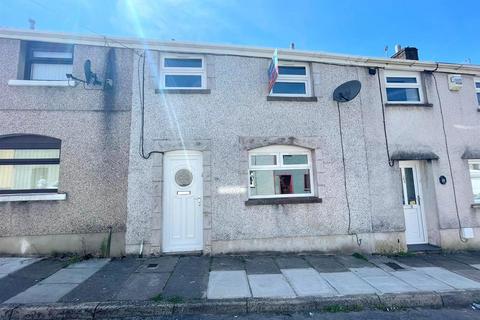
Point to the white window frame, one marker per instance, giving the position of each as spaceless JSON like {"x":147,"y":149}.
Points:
{"x":477,"y":90}
{"x":408,"y":74}
{"x":473,"y":161}
{"x":279,"y":151}
{"x":164,"y":71}
{"x":294,"y":78}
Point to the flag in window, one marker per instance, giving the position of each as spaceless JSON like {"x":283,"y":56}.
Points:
{"x":273,"y":71}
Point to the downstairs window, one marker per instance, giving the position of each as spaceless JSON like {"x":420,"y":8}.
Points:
{"x":474,"y":168}
{"x":280,"y":171}
{"x":29,"y":164}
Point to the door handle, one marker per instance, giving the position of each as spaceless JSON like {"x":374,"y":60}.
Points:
{"x":418,"y":200}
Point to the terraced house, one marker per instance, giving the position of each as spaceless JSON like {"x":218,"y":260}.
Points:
{"x":150,"y":147}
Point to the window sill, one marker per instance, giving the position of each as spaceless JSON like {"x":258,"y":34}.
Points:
{"x":276,"y":201}
{"x":183,"y":91}
{"x":295,"y":99}
{"x":475,"y":205}
{"x":42,"y":83}
{"x":33,"y":197}
{"x":399,"y":104}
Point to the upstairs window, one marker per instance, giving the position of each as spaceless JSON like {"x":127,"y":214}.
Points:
{"x":48,"y":61}
{"x":477,"y":89}
{"x":29,"y":164}
{"x":280,"y":171}
{"x":183,"y":72}
{"x":293,"y":80}
{"x":403,"y":87}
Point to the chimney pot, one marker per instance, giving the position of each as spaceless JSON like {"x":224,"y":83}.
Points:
{"x":407,"y":53}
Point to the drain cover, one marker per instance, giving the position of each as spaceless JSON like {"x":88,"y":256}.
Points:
{"x":394,"y":266}
{"x":152,"y":265}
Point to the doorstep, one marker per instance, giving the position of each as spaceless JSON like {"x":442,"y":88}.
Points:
{"x":425,"y":248}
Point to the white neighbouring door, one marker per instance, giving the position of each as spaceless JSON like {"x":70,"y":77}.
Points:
{"x":183,"y":201}
{"x":415,"y":225}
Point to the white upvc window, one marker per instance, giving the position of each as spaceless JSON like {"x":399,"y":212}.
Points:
{"x":293,"y":80}
{"x":403,"y":87}
{"x":474,"y":168}
{"x":29,"y":164}
{"x":48,"y":61}
{"x":183,"y":72}
{"x":477,"y":89}
{"x":280,"y":171}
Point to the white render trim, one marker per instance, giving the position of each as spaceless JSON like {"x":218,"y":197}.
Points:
{"x":42,"y":83}
{"x":32,"y":197}
{"x":203,"y":48}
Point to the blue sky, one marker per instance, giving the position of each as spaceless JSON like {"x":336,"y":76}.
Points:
{"x":442,"y":30}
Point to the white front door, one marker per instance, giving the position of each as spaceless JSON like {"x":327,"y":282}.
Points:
{"x":182,"y":201}
{"x":415,"y":227}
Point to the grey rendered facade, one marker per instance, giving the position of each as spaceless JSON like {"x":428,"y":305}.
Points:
{"x":108,"y":184}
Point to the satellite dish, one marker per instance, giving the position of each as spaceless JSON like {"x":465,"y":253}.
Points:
{"x":347,"y":91}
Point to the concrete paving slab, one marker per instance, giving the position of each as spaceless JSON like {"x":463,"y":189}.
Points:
{"x":70,"y":275}
{"x":60,"y":283}
{"x":421,"y":281}
{"x":325,"y":264}
{"x":352,"y":262}
{"x":11,"y":265}
{"x":228,"y":285}
{"x":413,"y":261}
{"x":42,"y":293}
{"x":227,"y":263}
{"x":450,"y":278}
{"x":465,"y":257}
{"x":473,"y":274}
{"x":159,"y":264}
{"x":369,"y":272}
{"x":24,"y":278}
{"x":261,"y":265}
{"x":270,"y":286}
{"x":189,"y":279}
{"x":291,"y":262}
{"x":89,"y":264}
{"x":347,"y":283}
{"x":142,"y":286}
{"x":307,"y":282}
{"x":446,"y":262}
{"x":386,"y":283}
{"x":104,"y":284}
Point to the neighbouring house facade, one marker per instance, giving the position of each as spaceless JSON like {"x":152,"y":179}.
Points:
{"x":182,"y":147}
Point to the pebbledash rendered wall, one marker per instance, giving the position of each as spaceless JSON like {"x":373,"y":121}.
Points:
{"x":94,"y":129}
{"x":419,"y":129}
{"x":235,"y":117}
{"x":108,"y":184}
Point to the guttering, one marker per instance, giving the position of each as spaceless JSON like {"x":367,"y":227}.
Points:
{"x":234,"y":50}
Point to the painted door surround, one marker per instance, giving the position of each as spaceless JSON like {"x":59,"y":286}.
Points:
{"x":183,"y":201}
{"x":415,"y":222}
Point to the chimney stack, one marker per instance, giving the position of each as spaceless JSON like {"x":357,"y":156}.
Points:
{"x":408,"y":53}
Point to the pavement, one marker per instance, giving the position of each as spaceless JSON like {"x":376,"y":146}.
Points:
{"x":263,"y":283}
{"x":422,"y":314}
